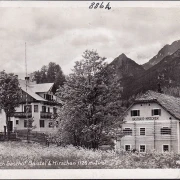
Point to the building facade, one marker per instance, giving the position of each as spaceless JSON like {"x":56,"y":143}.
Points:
{"x":151,"y":123}
{"x":41,"y":106}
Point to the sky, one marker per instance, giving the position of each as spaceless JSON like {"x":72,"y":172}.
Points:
{"x":62,"y":34}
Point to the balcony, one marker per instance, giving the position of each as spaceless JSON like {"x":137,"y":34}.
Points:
{"x":23,"y":114}
{"x":46,"y":115}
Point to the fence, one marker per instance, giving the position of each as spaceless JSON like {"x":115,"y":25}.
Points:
{"x":33,"y":136}
{"x":38,"y":137}
{"x":12,"y":137}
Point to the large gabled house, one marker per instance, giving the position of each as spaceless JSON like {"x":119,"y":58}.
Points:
{"x":152,"y":122}
{"x":41,"y":105}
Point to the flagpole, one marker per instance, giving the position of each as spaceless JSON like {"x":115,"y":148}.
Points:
{"x":26,"y":78}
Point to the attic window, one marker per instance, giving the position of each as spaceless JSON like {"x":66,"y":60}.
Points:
{"x":135,"y":112}
{"x":156,"y":112}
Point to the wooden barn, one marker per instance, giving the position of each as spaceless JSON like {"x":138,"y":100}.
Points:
{"x":151,"y":123}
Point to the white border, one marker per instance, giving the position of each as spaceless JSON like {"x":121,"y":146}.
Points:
{"x":90,"y":173}
{"x":178,"y":134}
{"x":76,"y":4}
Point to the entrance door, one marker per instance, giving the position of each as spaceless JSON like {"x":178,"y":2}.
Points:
{"x":11,"y":126}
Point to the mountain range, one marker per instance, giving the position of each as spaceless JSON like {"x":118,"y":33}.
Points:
{"x":163,"y":68}
{"x":165,"y":51}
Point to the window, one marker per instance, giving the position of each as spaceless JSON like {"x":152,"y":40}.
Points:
{"x":142,"y":148}
{"x":135,"y":112}
{"x":48,"y":97}
{"x":165,"y":148}
{"x":142,"y":132}
{"x":42,"y":123}
{"x":156,"y":112}
{"x":35,"y":108}
{"x":127,"y":131}
{"x":166,"y":130}
{"x":50,"y":125}
{"x":54,"y":110}
{"x":17,"y":122}
{"x":43,"y":108}
{"x":48,"y":109}
{"x":25,"y":123}
{"x":27,"y":108}
{"x":127,"y":147}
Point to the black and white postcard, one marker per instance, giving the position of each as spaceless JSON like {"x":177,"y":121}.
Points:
{"x":89,"y":89}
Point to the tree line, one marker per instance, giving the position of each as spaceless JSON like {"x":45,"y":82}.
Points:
{"x":52,"y":73}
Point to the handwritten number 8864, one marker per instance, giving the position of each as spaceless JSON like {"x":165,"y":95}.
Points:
{"x":96,"y":5}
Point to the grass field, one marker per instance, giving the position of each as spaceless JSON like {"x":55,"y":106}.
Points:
{"x":20,"y":155}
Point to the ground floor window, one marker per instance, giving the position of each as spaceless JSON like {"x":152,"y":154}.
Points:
{"x":25,"y":123}
{"x":142,"y":148}
{"x":17,"y":122}
{"x":42,"y":123}
{"x":165,"y":147}
{"x":127,"y":147}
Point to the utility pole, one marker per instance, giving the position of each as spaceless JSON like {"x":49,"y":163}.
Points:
{"x":27,"y":109}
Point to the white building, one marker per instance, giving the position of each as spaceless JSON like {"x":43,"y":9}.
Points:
{"x":42,"y":105}
{"x":152,"y":122}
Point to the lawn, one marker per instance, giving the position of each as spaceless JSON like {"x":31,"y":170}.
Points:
{"x":20,"y":155}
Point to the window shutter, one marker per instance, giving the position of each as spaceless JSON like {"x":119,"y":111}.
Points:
{"x":131,"y":113}
{"x":152,"y":112}
{"x":159,"y":112}
{"x":138,"y":112}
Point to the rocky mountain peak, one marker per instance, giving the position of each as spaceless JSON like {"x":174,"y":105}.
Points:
{"x":122,"y":56}
{"x":165,"y":51}
{"x":177,"y":53}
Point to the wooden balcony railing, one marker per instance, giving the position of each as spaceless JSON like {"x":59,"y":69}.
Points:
{"x":23,"y":114}
{"x":46,"y":115}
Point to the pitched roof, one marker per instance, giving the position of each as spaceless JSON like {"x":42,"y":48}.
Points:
{"x":30,"y":91}
{"x":169,"y":103}
{"x":45,"y":87}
